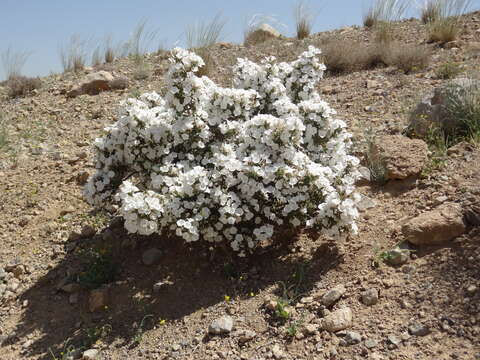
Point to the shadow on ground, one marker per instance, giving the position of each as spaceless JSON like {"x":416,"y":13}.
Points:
{"x":195,"y":278}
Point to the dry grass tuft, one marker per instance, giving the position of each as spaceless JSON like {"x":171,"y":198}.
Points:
{"x":13,"y":62}
{"x":430,"y":11}
{"x":408,"y":58}
{"x":201,"y":36}
{"x":73,"y":54}
{"x":303,"y":19}
{"x":22,"y":85}
{"x":448,"y":24}
{"x":385,"y":11}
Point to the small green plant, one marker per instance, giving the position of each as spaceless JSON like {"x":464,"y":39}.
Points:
{"x":99,"y":269}
{"x":375,"y":164}
{"x":438,"y":143}
{"x":292,"y":329}
{"x":281,"y":310}
{"x":68,"y":351}
{"x":3,"y":132}
{"x":137,"y":338}
{"x":448,"y":70}
{"x":303,"y":20}
{"x":95,"y":334}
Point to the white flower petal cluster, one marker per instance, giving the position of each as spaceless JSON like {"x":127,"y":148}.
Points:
{"x":230,"y":164}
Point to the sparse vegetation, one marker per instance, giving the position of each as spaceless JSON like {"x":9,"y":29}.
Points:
{"x":201,"y":36}
{"x":73,"y":54}
{"x":384,"y":11}
{"x":140,"y":330}
{"x":99,"y":269}
{"x":448,"y":70}
{"x":374,"y":163}
{"x":408,"y":58}
{"x":430,"y":11}
{"x":13,"y":62}
{"x":139,"y":41}
{"x":252,"y":36}
{"x":448,"y":23}
{"x":3,"y":132}
{"x":109,"y":54}
{"x":303,"y":20}
{"x":22,"y":85}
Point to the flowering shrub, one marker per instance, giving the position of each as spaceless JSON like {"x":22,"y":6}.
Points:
{"x":229,"y":164}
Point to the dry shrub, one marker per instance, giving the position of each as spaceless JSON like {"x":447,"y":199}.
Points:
{"x":385,"y":11}
{"x":22,"y":85}
{"x":119,"y":83}
{"x":408,"y":58}
{"x":344,"y":56}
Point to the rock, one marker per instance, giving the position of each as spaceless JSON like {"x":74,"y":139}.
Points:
{"x":91,"y":354}
{"x":151,"y":256}
{"x":82,"y":177}
{"x":261,"y":34}
{"x":92,"y":84}
{"x":418,"y":329}
{"x":397,"y":256}
{"x":440,"y":225}
{"x":366,"y":202}
{"x":471,"y":290}
{"x":394,"y":340}
{"x":223,"y":325}
{"x":246,"y":335}
{"x":71,"y":287}
{"x":402,"y":157}
{"x":333,"y":295}
{"x":350,"y":338}
{"x":370,"y":297}
{"x":88,"y":231}
{"x":277,"y":352}
{"x":158,"y":286}
{"x":338,"y":320}
{"x":431,"y":112}
{"x":3,"y":274}
{"x":119,"y":83}
{"x":98,"y":299}
{"x":372,"y":84}
{"x":271,"y":305}
{"x":310,"y":329}
{"x":370,"y":343}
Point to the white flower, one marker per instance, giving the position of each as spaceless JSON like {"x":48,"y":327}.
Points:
{"x":229,"y":164}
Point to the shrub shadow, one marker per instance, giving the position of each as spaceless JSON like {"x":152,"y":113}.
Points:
{"x":193,"y":278}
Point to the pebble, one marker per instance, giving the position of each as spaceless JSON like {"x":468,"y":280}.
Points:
{"x":338,"y":320}
{"x":370,"y":297}
{"x":277,"y":352}
{"x":91,"y":354}
{"x":333,"y":295}
{"x":350,"y":338}
{"x":370,"y":343}
{"x":418,"y":329}
{"x":223,"y":325}
{"x":398,"y":256}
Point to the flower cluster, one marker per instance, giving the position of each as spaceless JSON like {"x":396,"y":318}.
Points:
{"x":230,"y":164}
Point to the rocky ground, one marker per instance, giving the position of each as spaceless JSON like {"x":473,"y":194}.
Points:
{"x":72,"y":280}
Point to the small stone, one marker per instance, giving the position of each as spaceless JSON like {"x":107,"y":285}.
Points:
{"x":71,"y":288}
{"x":3,"y":274}
{"x":88,"y":231}
{"x":246,"y":336}
{"x":333,"y":295}
{"x":151,"y":256}
{"x":310,"y":329}
{"x":370,"y":343}
{"x":98,"y":299}
{"x":176,"y":347}
{"x":394,"y":340}
{"x":350,"y":338}
{"x":370,"y":297}
{"x":271,"y":305}
{"x":278,"y":352}
{"x":418,"y":329}
{"x":223,"y":325}
{"x":91,"y":354}
{"x":338,"y":320}
{"x":471,"y":290}
{"x":158,"y":286}
{"x":398,"y":256}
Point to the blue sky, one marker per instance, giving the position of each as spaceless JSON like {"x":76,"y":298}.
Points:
{"x":41,"y":26}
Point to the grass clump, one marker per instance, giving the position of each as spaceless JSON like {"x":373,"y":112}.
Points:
{"x":3,"y":132}
{"x":99,"y":269}
{"x":139,"y":41}
{"x":303,"y":20}
{"x":22,"y":85}
{"x":384,"y":11}
{"x":13,"y":62}
{"x":374,"y":162}
{"x":408,"y":58}
{"x":201,"y":37}
{"x":448,"y":70}
{"x":254,"y":34}
{"x":448,"y":24}
{"x":463,"y":104}
{"x":430,"y":11}
{"x":73,"y":54}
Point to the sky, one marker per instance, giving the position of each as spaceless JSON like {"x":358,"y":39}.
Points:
{"x":41,"y":27}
